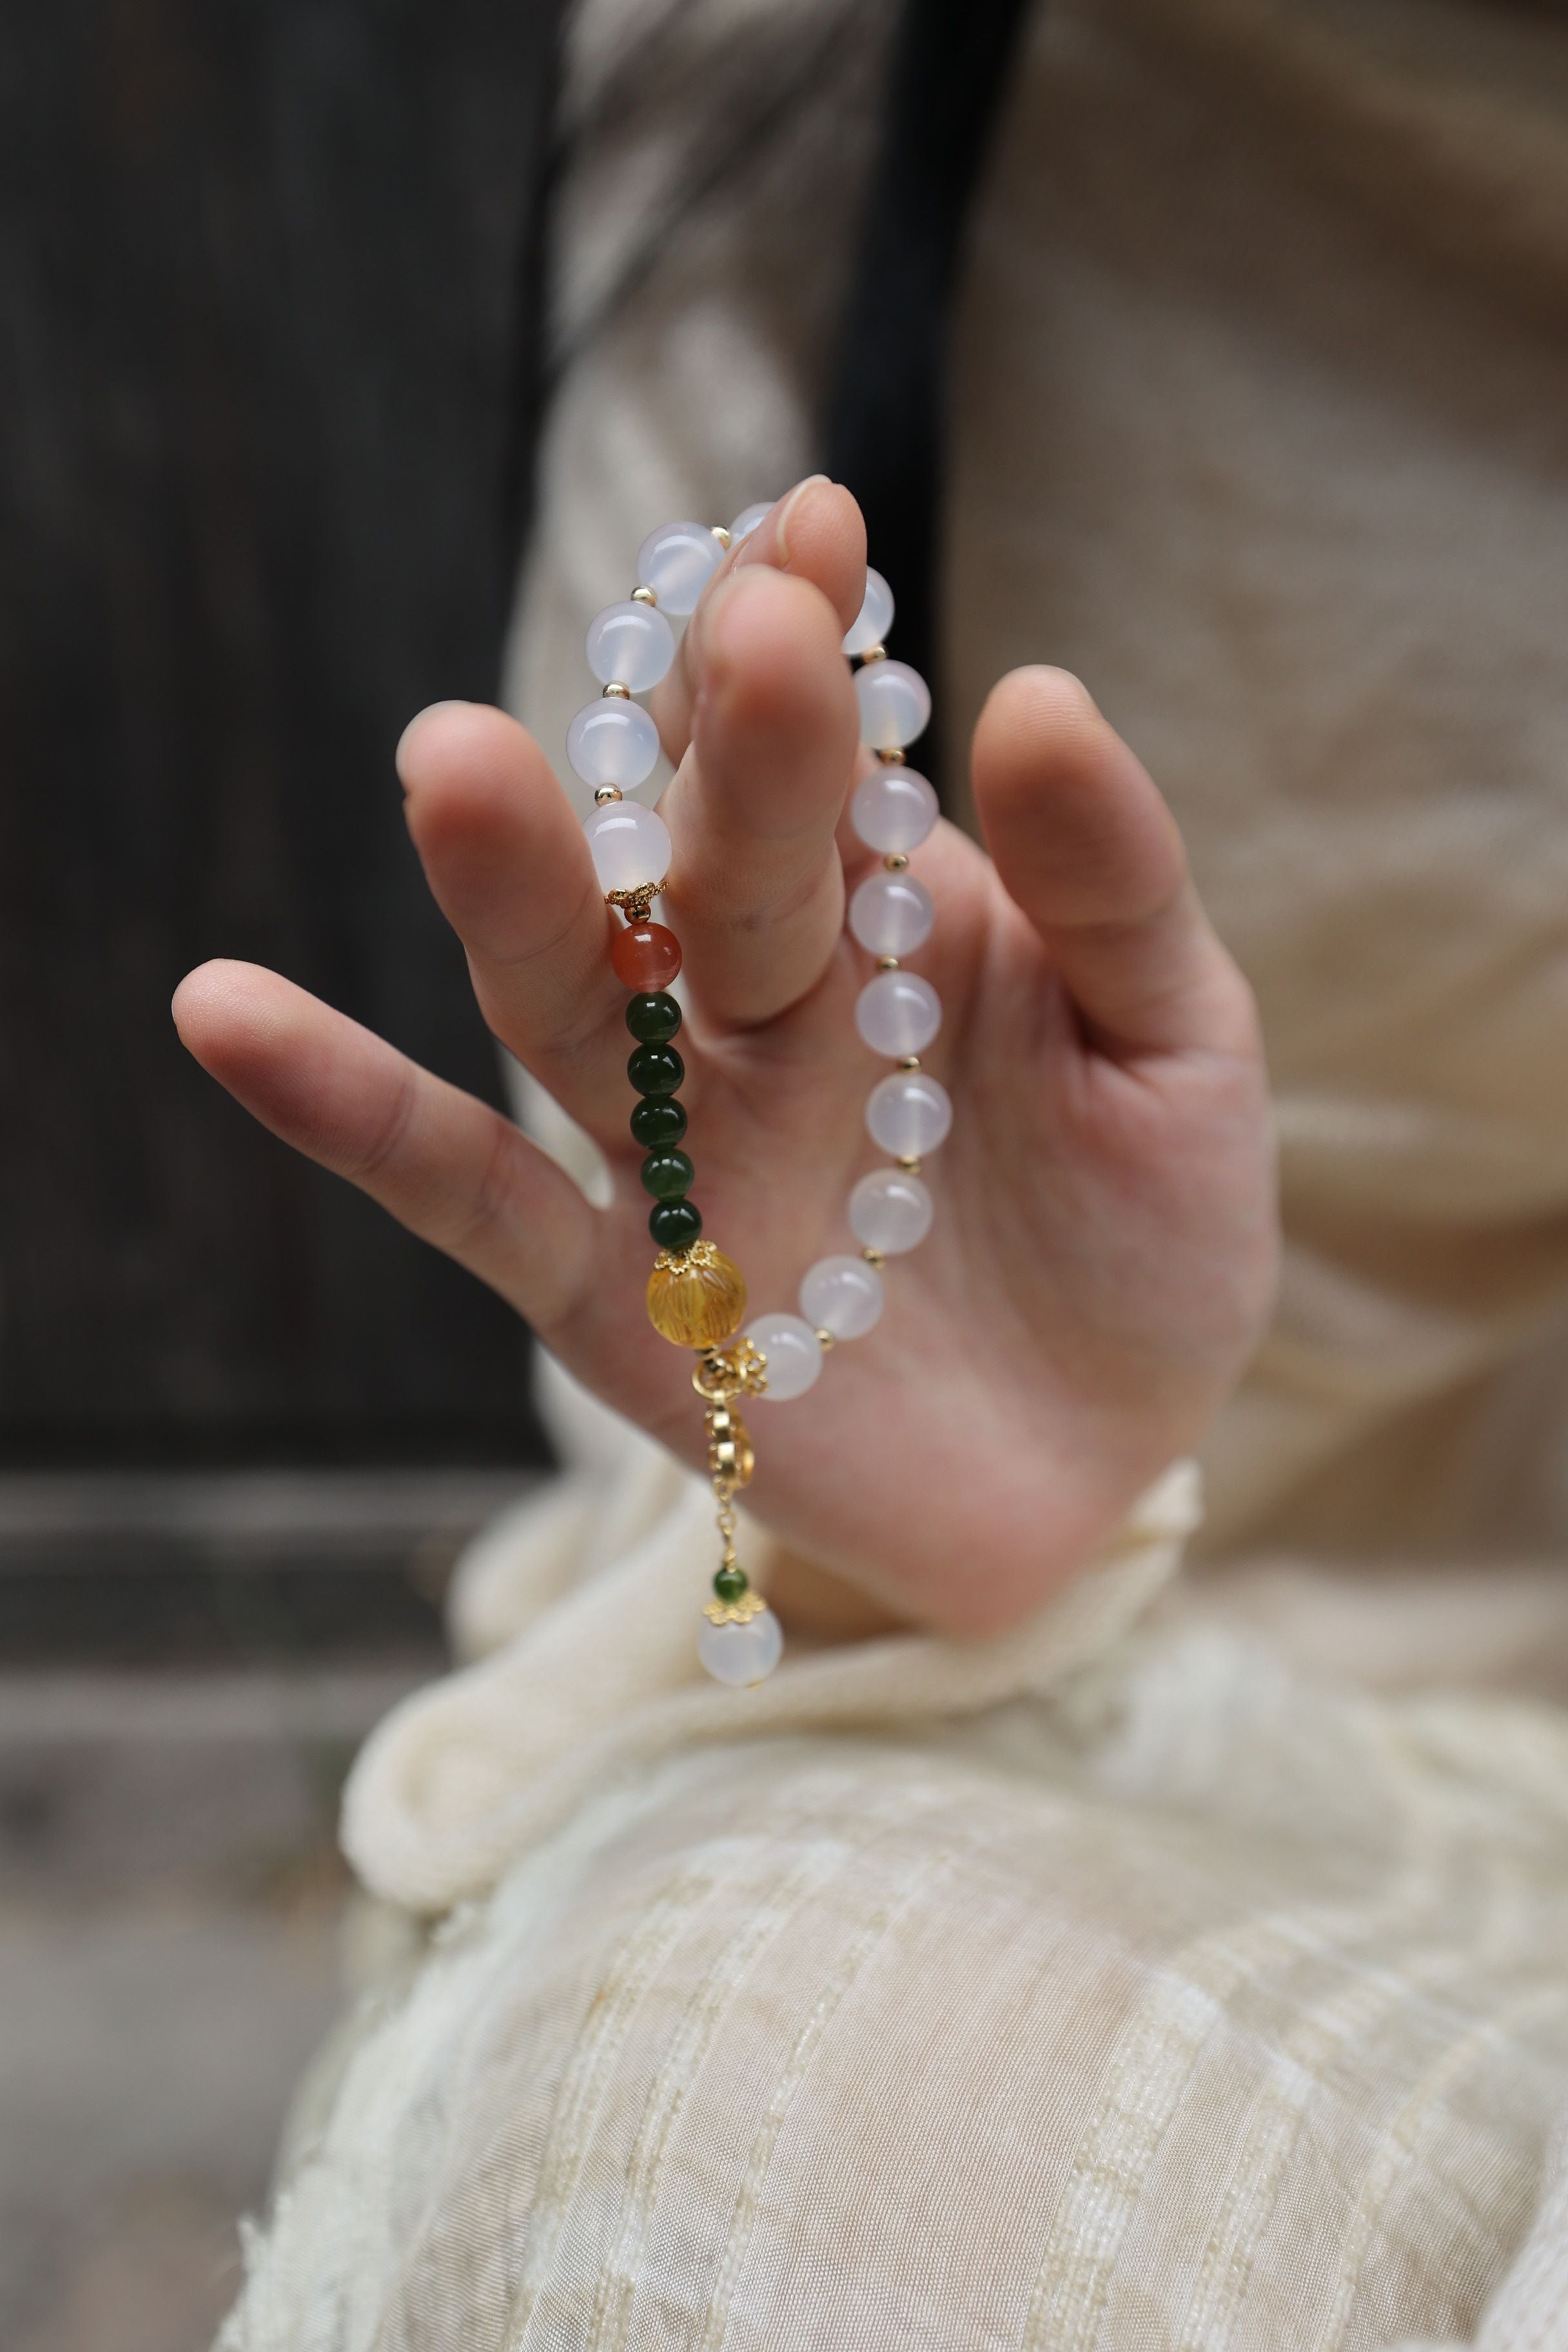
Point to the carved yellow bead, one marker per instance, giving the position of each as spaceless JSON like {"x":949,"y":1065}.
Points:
{"x":696,"y":1296}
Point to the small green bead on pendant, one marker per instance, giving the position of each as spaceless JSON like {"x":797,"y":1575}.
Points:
{"x":729,"y":1584}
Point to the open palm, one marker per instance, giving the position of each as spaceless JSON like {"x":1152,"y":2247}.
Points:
{"x":1102,"y":1256}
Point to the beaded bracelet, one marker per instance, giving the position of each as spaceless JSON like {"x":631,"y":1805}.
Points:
{"x":697,"y":1296}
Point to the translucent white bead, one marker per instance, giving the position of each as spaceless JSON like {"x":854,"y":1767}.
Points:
{"x":875,"y":618}
{"x":890,"y":914}
{"x":613,"y":742}
{"x":741,"y":1655}
{"x":897,"y":1012}
{"x":630,"y":644}
{"x":842,"y":1295}
{"x":889,"y":1211}
{"x":893,"y":809}
{"x":677,"y":563}
{"x":909,"y":1114}
{"x":748,"y":519}
{"x":629,"y":844}
{"x":895,"y":704}
{"x":794,"y":1352}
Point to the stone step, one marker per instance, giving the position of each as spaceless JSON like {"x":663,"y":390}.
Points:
{"x":234,"y":1568}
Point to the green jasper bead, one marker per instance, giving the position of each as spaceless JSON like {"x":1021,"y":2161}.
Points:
{"x":667,"y":1175}
{"x":674,"y":1225}
{"x":659,"y":1123}
{"x":731,"y":1584}
{"x":655,"y":1069}
{"x":655,"y":1019}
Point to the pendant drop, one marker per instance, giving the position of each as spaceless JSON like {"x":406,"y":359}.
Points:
{"x":740,"y":1640}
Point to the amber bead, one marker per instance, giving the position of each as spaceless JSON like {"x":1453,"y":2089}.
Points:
{"x":653,"y":1020}
{"x":697,"y":1297}
{"x":645,"y":956}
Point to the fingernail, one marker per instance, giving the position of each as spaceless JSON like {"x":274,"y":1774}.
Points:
{"x":780,"y":529}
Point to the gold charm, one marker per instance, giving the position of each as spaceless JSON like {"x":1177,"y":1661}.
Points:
{"x":696,"y":1296}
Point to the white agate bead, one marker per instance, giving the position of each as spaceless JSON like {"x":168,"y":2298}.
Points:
{"x":909,"y":1114}
{"x":677,"y":563}
{"x":891,"y":914}
{"x":741,"y":1655}
{"x":794,"y":1352}
{"x":748,"y":519}
{"x":630,"y":644}
{"x":895,"y":704}
{"x":893,"y":810}
{"x":613,"y":742}
{"x":897,"y":1012}
{"x":890,"y":1211}
{"x":629,"y":844}
{"x":875,"y":618}
{"x":844,"y":1295}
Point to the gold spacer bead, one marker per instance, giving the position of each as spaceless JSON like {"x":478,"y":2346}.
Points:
{"x":887,"y":964}
{"x":604,"y":794}
{"x":720,"y":534}
{"x":892,"y":758}
{"x":894,"y":861}
{"x":874,"y":653}
{"x":909,"y":1161}
{"x":644,"y":596}
{"x":875,"y":1257}
{"x":616,"y":692}
{"x":909,"y":1061}
{"x":824,"y":1339}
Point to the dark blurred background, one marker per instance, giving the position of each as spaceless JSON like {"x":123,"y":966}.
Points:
{"x":271,"y":331}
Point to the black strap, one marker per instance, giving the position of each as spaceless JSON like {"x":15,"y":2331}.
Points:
{"x":885,"y":427}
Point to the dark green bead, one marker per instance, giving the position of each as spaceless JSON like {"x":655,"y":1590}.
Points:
{"x":674,"y":1225}
{"x":667,"y":1175}
{"x":729,"y":1584}
{"x":655,"y":1019}
{"x":655,"y":1069}
{"x":659,"y":1123}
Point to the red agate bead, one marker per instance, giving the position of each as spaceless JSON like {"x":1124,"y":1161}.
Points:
{"x":646,"y":957}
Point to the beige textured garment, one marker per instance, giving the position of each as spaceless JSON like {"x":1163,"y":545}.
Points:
{"x":1148,"y":1981}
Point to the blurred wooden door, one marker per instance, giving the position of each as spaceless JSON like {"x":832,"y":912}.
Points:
{"x":271,"y":316}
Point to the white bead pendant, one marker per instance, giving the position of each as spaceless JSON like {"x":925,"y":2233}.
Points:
{"x":742,"y":1653}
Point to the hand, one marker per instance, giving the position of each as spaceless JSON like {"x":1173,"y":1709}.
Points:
{"x":1102,"y":1258}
